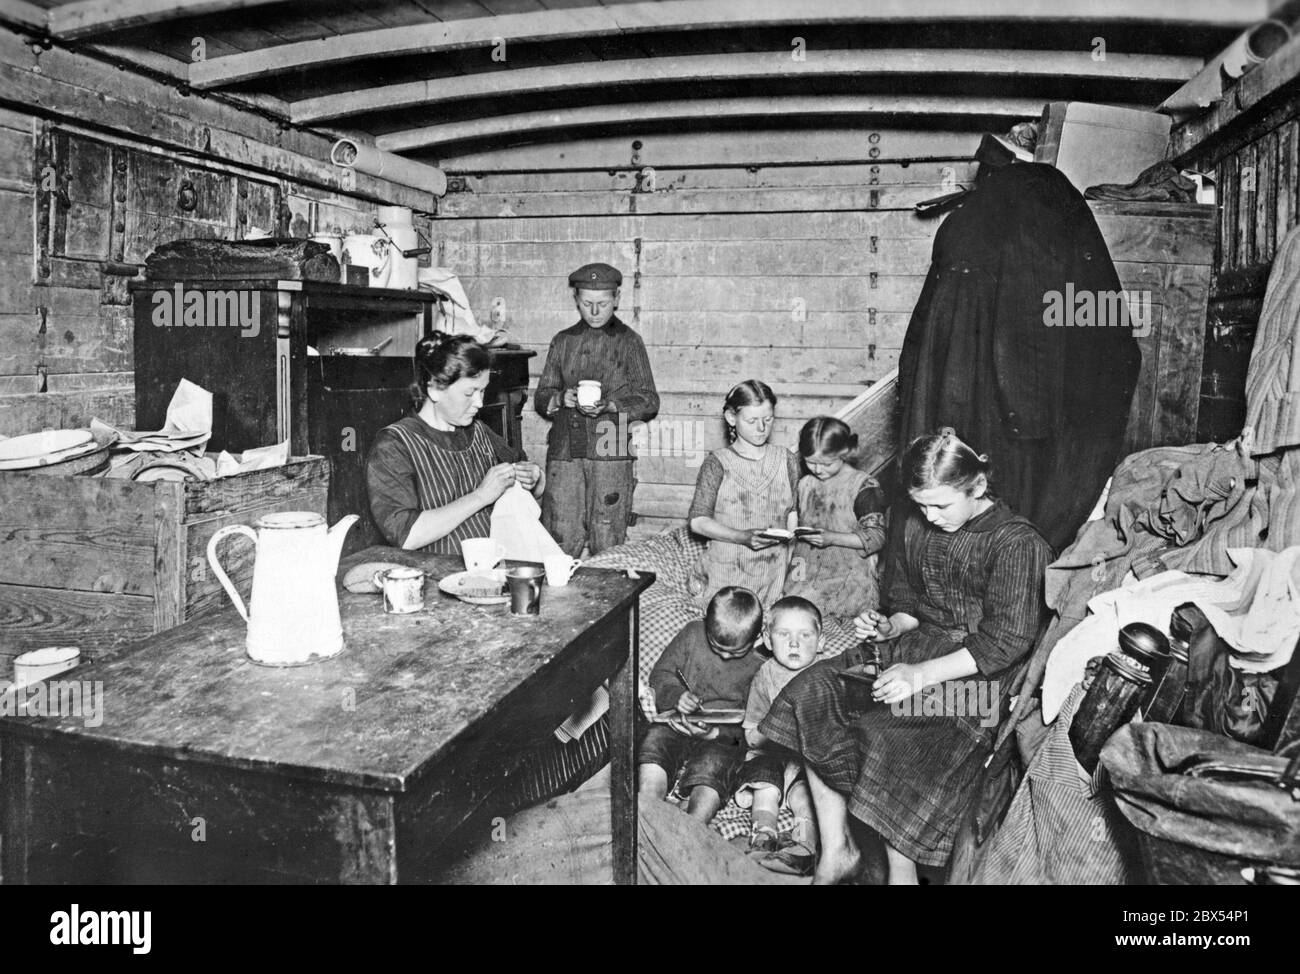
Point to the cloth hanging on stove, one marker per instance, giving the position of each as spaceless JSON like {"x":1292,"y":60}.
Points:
{"x":1049,"y":404}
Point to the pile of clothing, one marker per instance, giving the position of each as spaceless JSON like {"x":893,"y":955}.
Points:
{"x":1217,"y":526}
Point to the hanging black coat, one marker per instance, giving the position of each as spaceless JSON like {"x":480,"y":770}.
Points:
{"x":1003,"y":346}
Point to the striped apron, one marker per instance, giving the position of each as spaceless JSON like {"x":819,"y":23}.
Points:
{"x":443,"y":476}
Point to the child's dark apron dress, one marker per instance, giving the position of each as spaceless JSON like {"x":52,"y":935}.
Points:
{"x":839,"y":581}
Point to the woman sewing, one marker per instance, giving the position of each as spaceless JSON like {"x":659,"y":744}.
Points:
{"x":964,"y":598}
{"x":434,"y":475}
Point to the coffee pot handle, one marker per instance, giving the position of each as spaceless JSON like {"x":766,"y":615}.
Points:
{"x":220,"y":572}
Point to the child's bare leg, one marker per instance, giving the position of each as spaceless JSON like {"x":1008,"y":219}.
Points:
{"x":704,"y":803}
{"x":805,"y":819}
{"x":840,"y":856}
{"x":652,"y":780}
{"x":902,"y":871}
{"x":766,"y":807}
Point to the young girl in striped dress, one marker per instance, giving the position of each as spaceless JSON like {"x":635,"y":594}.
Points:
{"x":742,"y":489}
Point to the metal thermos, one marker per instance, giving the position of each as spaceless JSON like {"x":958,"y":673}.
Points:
{"x":1164,"y":704}
{"x":1117,"y":691}
{"x":1146,"y":646}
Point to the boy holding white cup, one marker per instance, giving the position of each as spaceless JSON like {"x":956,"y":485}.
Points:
{"x":596,"y":382}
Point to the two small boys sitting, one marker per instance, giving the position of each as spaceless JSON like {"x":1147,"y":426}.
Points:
{"x":714,"y":665}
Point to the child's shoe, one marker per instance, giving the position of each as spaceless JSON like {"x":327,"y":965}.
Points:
{"x":763,"y":840}
{"x":796,"y":854}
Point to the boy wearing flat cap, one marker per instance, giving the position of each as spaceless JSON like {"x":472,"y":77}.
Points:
{"x":589,"y":474}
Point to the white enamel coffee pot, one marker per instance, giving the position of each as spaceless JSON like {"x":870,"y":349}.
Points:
{"x":293,"y":612}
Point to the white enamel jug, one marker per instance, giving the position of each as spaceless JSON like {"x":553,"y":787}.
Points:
{"x":293,"y":612}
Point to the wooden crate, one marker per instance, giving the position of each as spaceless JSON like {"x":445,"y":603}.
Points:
{"x":100,"y":563}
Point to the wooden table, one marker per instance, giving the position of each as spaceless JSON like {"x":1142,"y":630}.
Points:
{"x":210,"y":768}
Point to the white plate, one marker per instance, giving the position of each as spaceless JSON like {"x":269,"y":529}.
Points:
{"x":36,"y":445}
{"x":457,"y":583}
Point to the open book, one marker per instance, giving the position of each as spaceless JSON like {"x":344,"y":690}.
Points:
{"x":703,"y":716}
{"x":781,"y":534}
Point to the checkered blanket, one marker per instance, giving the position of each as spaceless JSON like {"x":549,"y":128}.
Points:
{"x":667,"y":606}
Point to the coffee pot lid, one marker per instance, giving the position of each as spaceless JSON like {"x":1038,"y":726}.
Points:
{"x":290,"y":519}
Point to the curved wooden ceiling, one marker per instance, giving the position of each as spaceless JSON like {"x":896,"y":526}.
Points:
{"x":425,"y":76}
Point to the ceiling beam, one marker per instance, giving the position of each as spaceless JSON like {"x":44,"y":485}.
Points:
{"x":86,"y":18}
{"x":701,"y":68}
{"x":1280,"y":70}
{"x":531,"y":123}
{"x":681,"y":15}
{"x":20,"y":13}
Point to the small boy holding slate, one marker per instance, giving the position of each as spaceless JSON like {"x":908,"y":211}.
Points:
{"x":706,"y":668}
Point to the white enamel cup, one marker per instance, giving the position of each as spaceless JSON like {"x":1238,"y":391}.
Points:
{"x":560,"y":568}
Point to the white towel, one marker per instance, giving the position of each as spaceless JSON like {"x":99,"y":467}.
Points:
{"x":1263,"y":624}
{"x":1152,"y":601}
{"x":517,"y":524}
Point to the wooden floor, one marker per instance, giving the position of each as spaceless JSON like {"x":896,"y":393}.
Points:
{"x":566,"y":841}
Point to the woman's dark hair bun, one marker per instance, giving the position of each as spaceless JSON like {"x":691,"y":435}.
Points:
{"x":441,"y":359}
{"x":429,"y":343}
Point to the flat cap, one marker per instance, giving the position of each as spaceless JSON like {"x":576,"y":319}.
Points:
{"x":594,"y":277}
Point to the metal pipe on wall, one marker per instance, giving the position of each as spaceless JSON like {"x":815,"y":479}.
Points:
{"x":350,"y":154}
{"x":1240,"y":57}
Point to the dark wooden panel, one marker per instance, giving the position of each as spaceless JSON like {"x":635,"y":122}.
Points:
{"x":70,"y":409}
{"x":1157,"y":232}
{"x":481,"y":763}
{"x":248,"y":491}
{"x":243,"y":403}
{"x":144,"y":819}
{"x":77,"y":533}
{"x":1166,"y":404}
{"x":34,"y":617}
{"x":154,"y":210}
{"x":82,"y":219}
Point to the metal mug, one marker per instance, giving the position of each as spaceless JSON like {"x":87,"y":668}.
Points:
{"x":402,"y":589}
{"x":525,"y":585}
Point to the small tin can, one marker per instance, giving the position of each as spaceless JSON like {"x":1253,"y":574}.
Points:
{"x":1110,"y":703}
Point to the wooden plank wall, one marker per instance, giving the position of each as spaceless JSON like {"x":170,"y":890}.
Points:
{"x":1259,"y":197}
{"x":91,"y":161}
{"x":802,"y":275}
{"x":100,"y":204}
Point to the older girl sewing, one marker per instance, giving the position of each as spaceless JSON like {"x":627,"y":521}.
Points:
{"x":964,"y":598}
